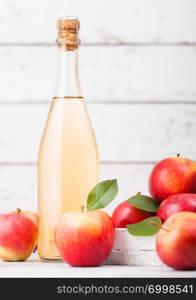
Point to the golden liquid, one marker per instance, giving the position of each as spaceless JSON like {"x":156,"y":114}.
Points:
{"x":68,"y":168}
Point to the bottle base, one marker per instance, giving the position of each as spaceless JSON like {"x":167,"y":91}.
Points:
{"x":51,"y":259}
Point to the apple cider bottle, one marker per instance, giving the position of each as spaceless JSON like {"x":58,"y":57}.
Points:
{"x":68,"y":163}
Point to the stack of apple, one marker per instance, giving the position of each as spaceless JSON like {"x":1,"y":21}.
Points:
{"x":86,"y":238}
{"x":172,"y":185}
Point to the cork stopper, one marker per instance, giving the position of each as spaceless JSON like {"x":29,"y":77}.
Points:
{"x":68,"y":28}
{"x":68,"y":24}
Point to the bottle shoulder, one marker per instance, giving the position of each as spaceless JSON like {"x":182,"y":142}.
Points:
{"x":68,"y":120}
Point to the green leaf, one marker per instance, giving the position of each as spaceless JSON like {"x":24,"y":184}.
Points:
{"x":144,"y":202}
{"x":146,"y":227}
{"x":102,"y":194}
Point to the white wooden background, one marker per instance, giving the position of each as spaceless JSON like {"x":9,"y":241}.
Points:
{"x":138,"y":72}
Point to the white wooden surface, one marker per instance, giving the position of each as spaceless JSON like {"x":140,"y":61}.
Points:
{"x":34,"y":268}
{"x":111,"y":21}
{"x":108,"y":73}
{"x":138,"y":70}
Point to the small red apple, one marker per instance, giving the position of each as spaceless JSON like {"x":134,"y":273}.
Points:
{"x":125,"y":214}
{"x":176,"y":203}
{"x":18,"y":237}
{"x":174,"y":175}
{"x":33,"y":216}
{"x":85,"y":238}
{"x":176,"y":241}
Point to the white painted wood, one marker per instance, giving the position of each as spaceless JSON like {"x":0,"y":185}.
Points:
{"x":34,"y":268}
{"x":124,"y":132}
{"x":133,"y":258}
{"x":18,"y":188}
{"x":18,"y":184}
{"x":120,"y":73}
{"x":126,"y":242}
{"x":111,"y":21}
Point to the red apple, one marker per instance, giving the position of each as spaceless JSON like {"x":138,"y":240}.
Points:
{"x":33,"y":216}
{"x":174,"y":175}
{"x":18,"y":237}
{"x":176,"y":203}
{"x":176,"y":241}
{"x":125,"y":214}
{"x":85,"y":239}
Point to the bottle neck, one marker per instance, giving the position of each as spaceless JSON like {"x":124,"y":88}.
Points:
{"x":67,"y":76}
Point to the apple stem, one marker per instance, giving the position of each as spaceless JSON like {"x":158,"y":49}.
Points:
{"x":178,"y":154}
{"x":165,"y":229}
{"x":18,"y":211}
{"x":159,"y":226}
{"x":138,"y":193}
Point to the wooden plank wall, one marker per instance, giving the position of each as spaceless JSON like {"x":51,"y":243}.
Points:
{"x":138,"y":72}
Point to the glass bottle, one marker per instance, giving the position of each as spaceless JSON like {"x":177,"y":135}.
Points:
{"x":68,"y":163}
